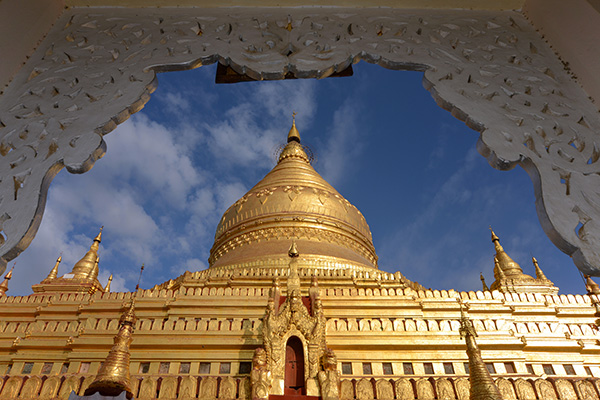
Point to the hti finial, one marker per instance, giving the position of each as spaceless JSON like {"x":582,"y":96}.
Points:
{"x":139,"y":279}
{"x":485,"y":286}
{"x":494,"y":237}
{"x":98,"y":238}
{"x":10,"y":273}
{"x":293,"y":251}
{"x":294,"y":135}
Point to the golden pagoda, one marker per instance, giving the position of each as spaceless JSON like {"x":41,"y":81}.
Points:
{"x":294,"y":306}
{"x":82,"y":278}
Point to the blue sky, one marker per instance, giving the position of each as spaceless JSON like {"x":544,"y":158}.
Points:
{"x":379,"y":139}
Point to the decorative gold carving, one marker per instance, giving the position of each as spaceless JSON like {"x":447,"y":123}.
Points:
{"x":544,"y":389}
{"x":506,"y":389}
{"x":245,"y":390}
{"x":260,"y":376}
{"x":187,"y":387}
{"x":228,"y":388}
{"x":329,"y":377}
{"x":585,"y":390}
{"x":12,"y":386}
{"x":463,"y":388}
{"x":347,"y":390}
{"x":444,"y":389}
{"x":364,"y":389}
{"x":404,"y":389}
{"x":565,"y":389}
{"x":208,"y":388}
{"x":71,"y":384}
{"x":148,"y":388}
{"x":384,"y":389}
{"x":524,"y":390}
{"x":50,"y":388}
{"x":425,"y":390}
{"x":168,"y":388}
{"x":31,"y":387}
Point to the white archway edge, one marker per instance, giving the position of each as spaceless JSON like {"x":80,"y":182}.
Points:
{"x":489,"y":68}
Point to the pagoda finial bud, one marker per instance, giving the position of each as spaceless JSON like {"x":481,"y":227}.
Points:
{"x":4,"y":284}
{"x":94,"y":273}
{"x":591,"y":286}
{"x":293,"y":251}
{"x":538,"y":271}
{"x":485,"y":287}
{"x":494,"y":237}
{"x":498,"y":272}
{"x":107,"y":287}
{"x":98,"y":237}
{"x":293,"y":135}
{"x":54,"y":271}
{"x":10,"y":273}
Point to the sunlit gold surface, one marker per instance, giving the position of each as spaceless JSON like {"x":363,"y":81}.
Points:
{"x":292,"y":202}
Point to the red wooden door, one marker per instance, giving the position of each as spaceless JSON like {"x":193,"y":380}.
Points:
{"x":294,"y":367}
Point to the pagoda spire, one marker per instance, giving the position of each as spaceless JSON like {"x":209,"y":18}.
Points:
{"x":507,"y":264}
{"x":293,"y":135}
{"x":54,"y":272}
{"x":107,"y":287}
{"x":591,"y":286}
{"x":538,"y":271}
{"x":84,"y":268}
{"x":113,"y":376}
{"x":4,"y":284}
{"x":498,"y":272}
{"x":94,"y":273}
{"x":293,"y":149}
{"x":482,"y":384}
{"x":485,"y":287}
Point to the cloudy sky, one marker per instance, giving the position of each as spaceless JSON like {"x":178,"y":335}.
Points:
{"x":379,"y":138}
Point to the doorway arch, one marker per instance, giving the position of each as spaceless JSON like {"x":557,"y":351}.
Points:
{"x":294,"y":367}
{"x":490,"y":69}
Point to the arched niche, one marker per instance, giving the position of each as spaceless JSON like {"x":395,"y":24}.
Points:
{"x":488,"y":68}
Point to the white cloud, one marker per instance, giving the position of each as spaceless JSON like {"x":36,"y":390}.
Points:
{"x":175,"y":102}
{"x":245,"y":137}
{"x":147,"y":153}
{"x":343,"y":143}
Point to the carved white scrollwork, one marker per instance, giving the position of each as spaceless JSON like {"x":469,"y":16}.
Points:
{"x":490,"y":69}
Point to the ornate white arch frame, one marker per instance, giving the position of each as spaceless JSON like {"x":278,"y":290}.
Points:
{"x":488,"y":68}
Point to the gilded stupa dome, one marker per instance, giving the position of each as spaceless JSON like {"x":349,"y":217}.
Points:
{"x":293,"y":202}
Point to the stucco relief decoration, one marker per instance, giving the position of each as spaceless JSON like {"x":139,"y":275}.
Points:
{"x":490,"y":69}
